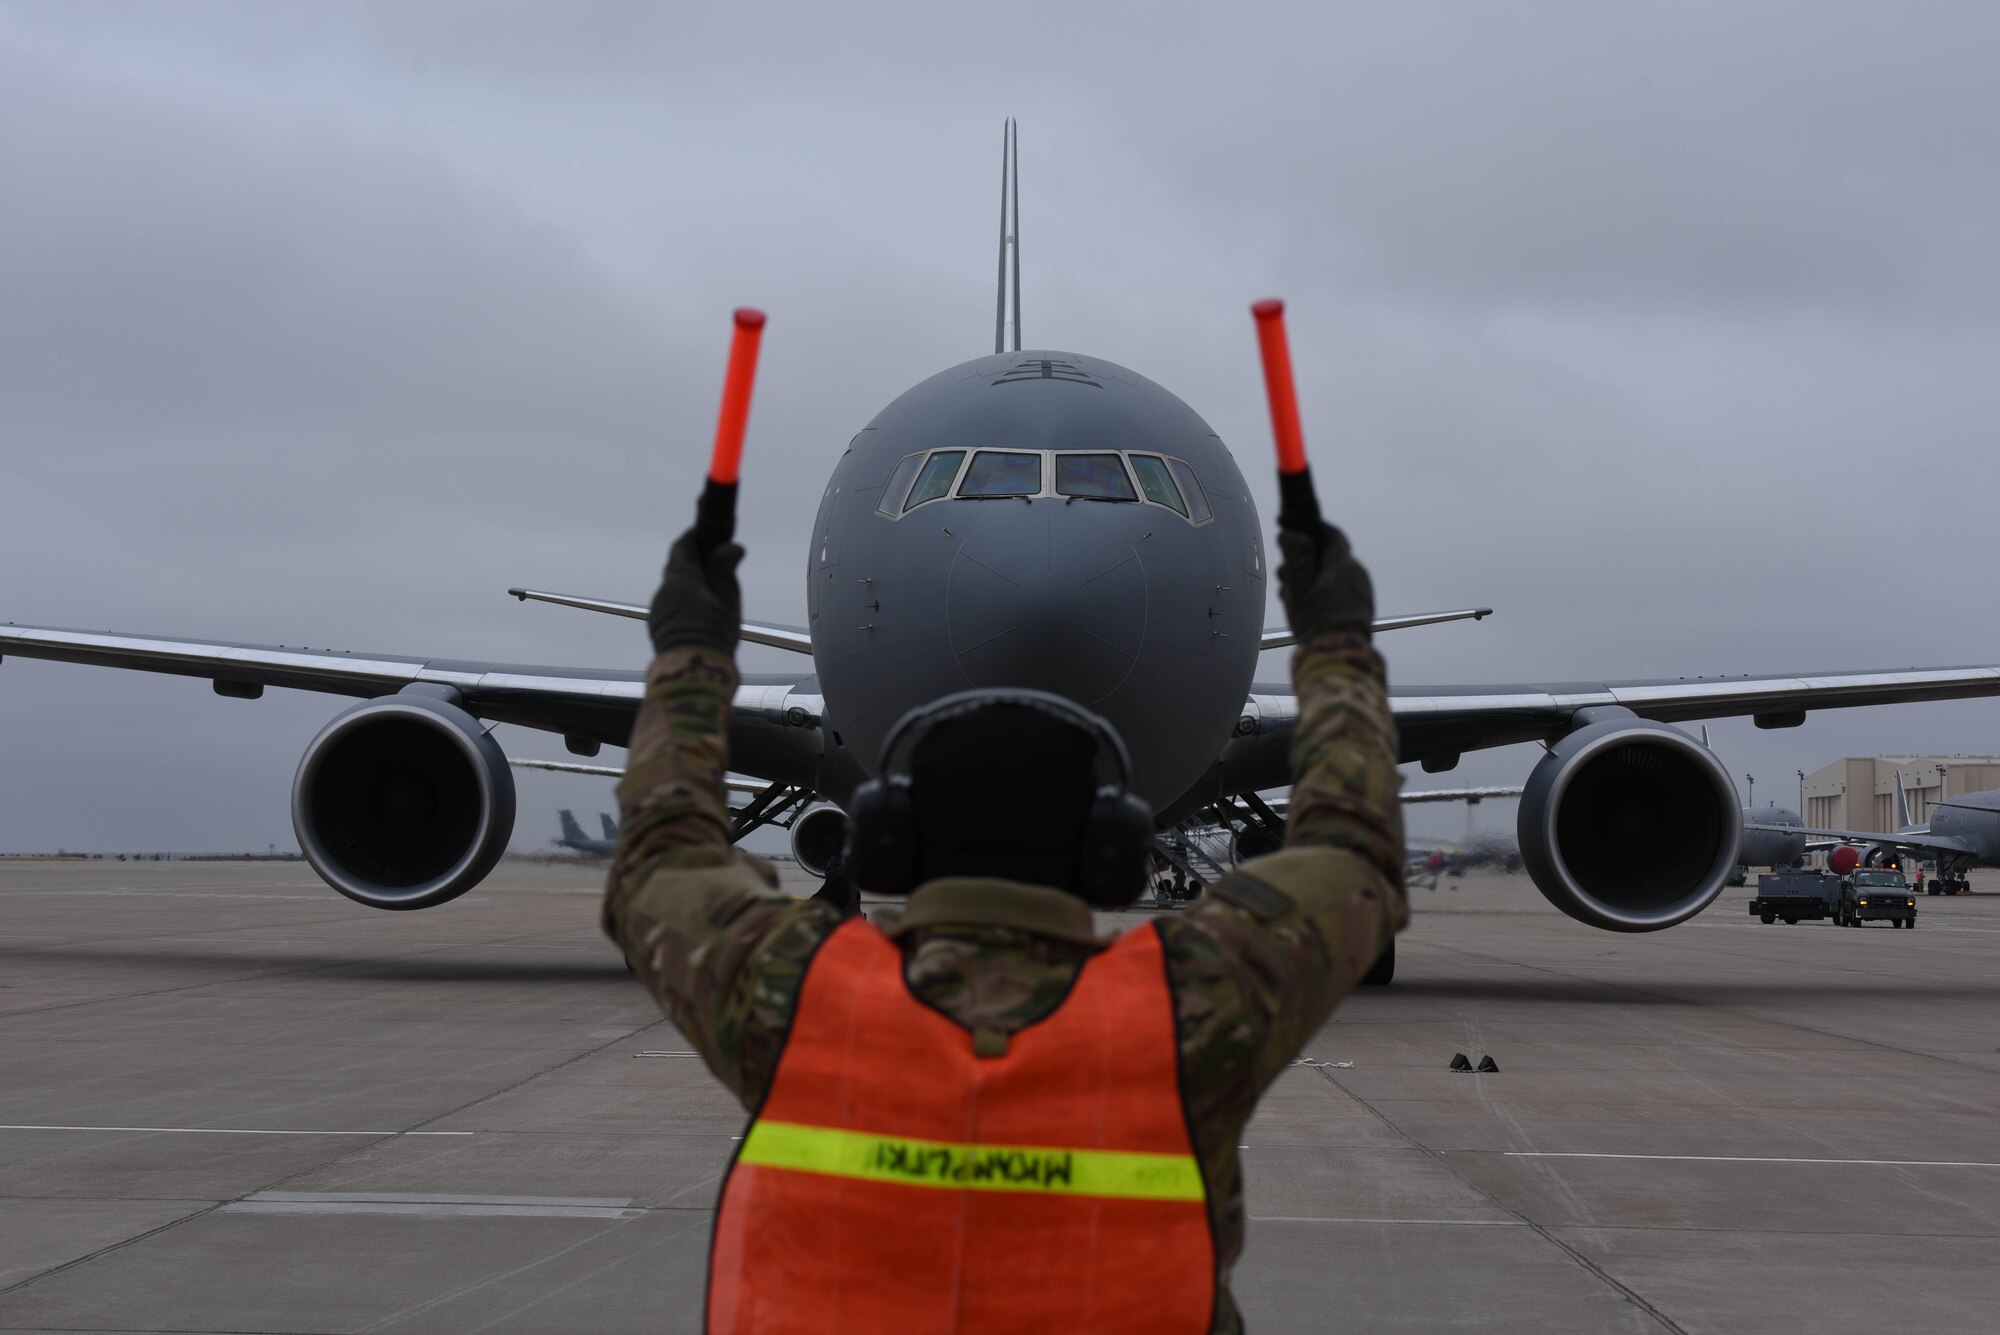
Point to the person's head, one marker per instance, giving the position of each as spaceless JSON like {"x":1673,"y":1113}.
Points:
{"x":1016,"y":784}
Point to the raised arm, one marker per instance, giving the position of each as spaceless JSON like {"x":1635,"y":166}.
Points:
{"x":701,"y":923}
{"x":1261,"y":962}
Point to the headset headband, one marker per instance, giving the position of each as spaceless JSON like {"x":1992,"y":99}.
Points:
{"x":1114,"y":765}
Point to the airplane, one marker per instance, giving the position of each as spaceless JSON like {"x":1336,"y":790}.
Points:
{"x":1772,"y":837}
{"x":1207,"y":842}
{"x":1034,"y":517}
{"x":574,"y":839}
{"x":1962,"y":833}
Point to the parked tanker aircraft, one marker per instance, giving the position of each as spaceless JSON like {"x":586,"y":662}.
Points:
{"x":1963,"y":832}
{"x":1034,"y":517}
{"x":574,"y":839}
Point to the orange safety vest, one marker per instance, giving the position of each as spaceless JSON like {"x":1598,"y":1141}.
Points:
{"x":894,"y":1181}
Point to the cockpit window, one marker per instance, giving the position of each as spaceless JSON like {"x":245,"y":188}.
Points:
{"x":1000,"y":473}
{"x":1153,"y":480}
{"x":935,"y":480}
{"x":1197,"y":500}
{"x":1099,"y":475}
{"x":898,"y":484}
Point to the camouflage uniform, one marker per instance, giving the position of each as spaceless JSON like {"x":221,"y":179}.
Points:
{"x":1257,"y":965}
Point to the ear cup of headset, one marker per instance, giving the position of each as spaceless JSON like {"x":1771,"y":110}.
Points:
{"x":1112,"y":864}
{"x":881,"y":837}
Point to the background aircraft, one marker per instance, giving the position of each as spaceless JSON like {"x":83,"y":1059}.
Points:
{"x":1033,"y":517}
{"x":574,"y":839}
{"x":1963,"y":833}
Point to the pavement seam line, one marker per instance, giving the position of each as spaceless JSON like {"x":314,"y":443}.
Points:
{"x":214,"y":1206}
{"x":108,"y":1248}
{"x":1582,"y":1261}
{"x":1719,"y":1009}
{"x":471,"y":1103}
{"x":257,"y":976}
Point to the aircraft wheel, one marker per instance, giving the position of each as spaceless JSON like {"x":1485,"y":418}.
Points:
{"x":1384,"y":968}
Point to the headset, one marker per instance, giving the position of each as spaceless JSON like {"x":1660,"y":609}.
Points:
{"x":1111,"y":859}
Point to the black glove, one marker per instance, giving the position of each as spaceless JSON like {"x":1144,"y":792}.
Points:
{"x":699,"y":602}
{"x":1321,"y":584}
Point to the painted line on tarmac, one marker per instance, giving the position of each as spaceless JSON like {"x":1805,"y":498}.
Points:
{"x":1744,"y":1158}
{"x":230,"y":1131}
{"x":147,"y":894}
{"x":434,"y":1205}
{"x":1447,"y":1223}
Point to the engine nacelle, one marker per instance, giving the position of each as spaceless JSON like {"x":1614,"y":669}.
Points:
{"x":1629,"y":825}
{"x":817,"y":838}
{"x":403,"y":802}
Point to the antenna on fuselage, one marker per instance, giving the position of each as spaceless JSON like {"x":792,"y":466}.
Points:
{"x":1010,"y":235}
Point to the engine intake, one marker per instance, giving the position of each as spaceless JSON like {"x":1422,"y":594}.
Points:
{"x":817,"y":838}
{"x":1629,"y":825}
{"x":403,"y":802}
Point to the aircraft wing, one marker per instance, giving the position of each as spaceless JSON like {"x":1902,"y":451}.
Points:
{"x":1919,"y":839}
{"x":732,"y":782}
{"x":774,"y":734}
{"x":1456,"y":794}
{"x":1439,"y":723}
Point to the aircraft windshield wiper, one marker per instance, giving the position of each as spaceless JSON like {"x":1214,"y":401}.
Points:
{"x":1109,"y":500}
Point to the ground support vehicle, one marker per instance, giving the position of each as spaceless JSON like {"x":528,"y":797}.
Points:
{"x":1873,"y":894}
{"x":1793,"y":895}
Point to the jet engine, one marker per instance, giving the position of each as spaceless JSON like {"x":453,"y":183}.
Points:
{"x":1629,"y":825}
{"x":403,"y":802}
{"x":817,"y":838}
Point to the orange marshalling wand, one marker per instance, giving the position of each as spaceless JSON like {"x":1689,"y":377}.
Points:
{"x":715,"y":514}
{"x":1298,"y":506}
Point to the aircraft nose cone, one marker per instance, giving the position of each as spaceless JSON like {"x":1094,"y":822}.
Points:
{"x":1038,"y":602}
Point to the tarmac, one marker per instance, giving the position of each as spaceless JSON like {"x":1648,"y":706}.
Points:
{"x":230,"y":1100}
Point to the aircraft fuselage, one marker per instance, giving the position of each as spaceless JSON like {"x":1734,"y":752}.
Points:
{"x":1147,"y":615}
{"x":1975,"y":818}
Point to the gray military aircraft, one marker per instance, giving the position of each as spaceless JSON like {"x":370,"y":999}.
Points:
{"x":1962,"y":833}
{"x":1035,"y":517}
{"x":574,"y":839}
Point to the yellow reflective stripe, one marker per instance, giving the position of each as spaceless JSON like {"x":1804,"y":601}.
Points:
{"x":937,"y":1163}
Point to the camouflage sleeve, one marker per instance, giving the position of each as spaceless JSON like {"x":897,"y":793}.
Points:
{"x":1344,"y":779}
{"x":1261,"y":961}
{"x":701,"y":923}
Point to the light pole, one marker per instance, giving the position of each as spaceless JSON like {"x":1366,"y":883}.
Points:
{"x":1751,"y":779}
{"x":1942,"y":773}
{"x":1802,"y":797}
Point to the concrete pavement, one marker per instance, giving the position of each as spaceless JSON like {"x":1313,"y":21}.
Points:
{"x":232,"y":1101}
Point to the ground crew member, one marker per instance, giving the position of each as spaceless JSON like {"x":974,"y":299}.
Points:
{"x":990,"y":1117}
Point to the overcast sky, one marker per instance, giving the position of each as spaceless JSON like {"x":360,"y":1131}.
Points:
{"x":1668,"y":331}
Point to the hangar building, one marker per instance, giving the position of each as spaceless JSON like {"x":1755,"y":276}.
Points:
{"x":1859,"y":792}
